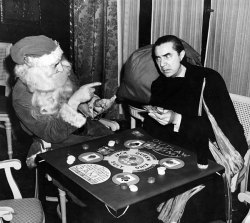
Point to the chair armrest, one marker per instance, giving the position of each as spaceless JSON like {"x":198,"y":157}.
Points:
{"x":46,"y":145}
{"x":6,"y":165}
{"x":244,"y":197}
{"x":136,"y":112}
{"x":6,"y":213}
{"x":15,"y":163}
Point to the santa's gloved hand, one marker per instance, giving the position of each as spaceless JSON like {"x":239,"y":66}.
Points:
{"x":83,"y":94}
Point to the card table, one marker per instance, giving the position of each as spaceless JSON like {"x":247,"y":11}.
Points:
{"x":114,"y":197}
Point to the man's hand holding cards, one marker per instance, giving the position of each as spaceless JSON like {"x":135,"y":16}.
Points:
{"x":161,"y":115}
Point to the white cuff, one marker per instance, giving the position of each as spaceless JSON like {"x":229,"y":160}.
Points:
{"x":177,"y":122}
{"x":71,"y":116}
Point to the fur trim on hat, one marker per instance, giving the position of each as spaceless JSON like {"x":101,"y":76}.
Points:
{"x":71,"y":116}
{"x":45,"y":60}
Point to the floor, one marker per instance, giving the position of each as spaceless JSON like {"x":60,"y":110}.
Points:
{"x":145,"y":212}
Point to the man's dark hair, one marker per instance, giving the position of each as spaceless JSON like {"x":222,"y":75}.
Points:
{"x":177,"y":44}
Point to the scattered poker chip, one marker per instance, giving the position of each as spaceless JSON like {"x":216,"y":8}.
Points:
{"x":161,"y":170}
{"x":123,"y":186}
{"x":111,"y":143}
{"x":117,"y":141}
{"x":71,"y":159}
{"x":151,"y":180}
{"x":133,"y":188}
{"x":85,"y":146}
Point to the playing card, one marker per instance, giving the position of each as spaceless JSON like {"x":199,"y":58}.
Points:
{"x":153,"y":109}
{"x":137,"y":133}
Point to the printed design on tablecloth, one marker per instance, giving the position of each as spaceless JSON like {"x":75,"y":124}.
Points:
{"x":164,"y":148}
{"x":90,"y":157}
{"x":127,"y":178}
{"x":132,"y":160}
{"x":92,"y":173}
{"x":134,"y":144}
{"x":137,"y":133}
{"x":105,"y":150}
{"x":172,"y":163}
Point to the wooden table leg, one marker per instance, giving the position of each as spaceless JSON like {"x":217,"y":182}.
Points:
{"x":228,"y":199}
{"x":62,"y":195}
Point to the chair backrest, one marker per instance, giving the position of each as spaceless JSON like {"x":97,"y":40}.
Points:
{"x":4,"y":74}
{"x":242,"y":108}
{"x":140,"y":71}
{"x":18,"y":209}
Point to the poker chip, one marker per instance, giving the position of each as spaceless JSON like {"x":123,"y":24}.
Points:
{"x":85,"y":146}
{"x":133,"y":188}
{"x":151,"y":180}
{"x":123,"y":186}
{"x":71,"y":159}
{"x":117,"y":141}
{"x":111,"y":143}
{"x":161,"y":170}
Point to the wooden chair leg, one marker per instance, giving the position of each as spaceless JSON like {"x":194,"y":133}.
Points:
{"x":62,"y":195}
{"x":9,"y":141}
{"x":132,"y":123}
{"x":36,"y":186}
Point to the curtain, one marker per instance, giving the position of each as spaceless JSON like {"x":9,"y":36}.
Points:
{"x":179,"y":18}
{"x":228,"y":48}
{"x":95,"y":45}
{"x":128,"y":32}
{"x":128,"y":27}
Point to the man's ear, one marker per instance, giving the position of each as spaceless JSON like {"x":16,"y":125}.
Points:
{"x":182,"y":54}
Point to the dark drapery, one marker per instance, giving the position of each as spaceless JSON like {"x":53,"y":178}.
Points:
{"x":94,"y":45}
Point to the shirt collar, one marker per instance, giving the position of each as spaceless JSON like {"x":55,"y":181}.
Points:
{"x":183,"y":71}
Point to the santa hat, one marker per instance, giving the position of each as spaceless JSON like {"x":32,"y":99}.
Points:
{"x":36,"y":51}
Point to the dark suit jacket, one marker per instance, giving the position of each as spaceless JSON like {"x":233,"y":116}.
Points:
{"x":182,"y":95}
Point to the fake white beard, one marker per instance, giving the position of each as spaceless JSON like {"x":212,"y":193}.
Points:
{"x":49,"y":103}
{"x":40,"y":78}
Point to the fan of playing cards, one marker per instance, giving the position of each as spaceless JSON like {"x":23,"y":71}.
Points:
{"x":154,"y":109}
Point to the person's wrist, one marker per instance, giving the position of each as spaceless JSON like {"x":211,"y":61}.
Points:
{"x":73,"y":104}
{"x":176,"y":118}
